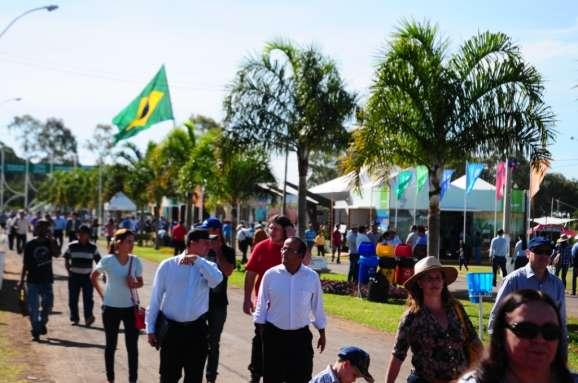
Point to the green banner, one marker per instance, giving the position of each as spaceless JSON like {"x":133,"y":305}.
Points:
{"x":41,"y":168}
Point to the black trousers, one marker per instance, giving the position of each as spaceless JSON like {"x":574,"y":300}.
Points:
{"x":59,"y":237}
{"x":179,"y":246}
{"x":564,"y":269}
{"x":185,"y":347}
{"x":499,"y":263}
{"x":76,"y":283}
{"x":20,"y":241}
{"x":574,"y":276}
{"x":287,"y":355}
{"x":353,"y":274}
{"x":256,"y":366}
{"x":216,"y":317}
{"x":111,"y":318}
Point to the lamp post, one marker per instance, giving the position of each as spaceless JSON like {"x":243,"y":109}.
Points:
{"x":49,"y":8}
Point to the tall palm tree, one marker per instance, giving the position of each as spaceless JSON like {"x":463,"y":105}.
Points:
{"x":289,"y":98}
{"x":428,"y":107}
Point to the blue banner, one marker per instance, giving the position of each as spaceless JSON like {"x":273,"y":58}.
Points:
{"x":446,"y":179}
{"x":473,"y":172}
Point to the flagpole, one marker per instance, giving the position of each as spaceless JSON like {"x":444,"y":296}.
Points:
{"x":496,"y":200}
{"x":465,"y":204}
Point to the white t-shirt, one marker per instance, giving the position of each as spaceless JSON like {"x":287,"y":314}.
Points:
{"x":117,"y":293}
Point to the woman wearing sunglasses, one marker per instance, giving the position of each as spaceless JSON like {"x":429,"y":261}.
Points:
{"x":526,"y":345}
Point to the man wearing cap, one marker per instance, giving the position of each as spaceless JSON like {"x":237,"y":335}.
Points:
{"x":181,"y":292}
{"x":78,"y":259}
{"x":352,"y":363}
{"x":37,"y":269}
{"x":534,"y":275}
{"x":224,"y":257}
{"x":563,"y":254}
{"x":499,"y":249}
{"x":265,"y":255}
{"x":290,"y":298}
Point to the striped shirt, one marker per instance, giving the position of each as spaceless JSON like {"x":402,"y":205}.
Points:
{"x":80,"y":257}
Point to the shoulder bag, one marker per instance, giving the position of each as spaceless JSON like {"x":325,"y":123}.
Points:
{"x":139,"y":312}
{"x":474,"y":349}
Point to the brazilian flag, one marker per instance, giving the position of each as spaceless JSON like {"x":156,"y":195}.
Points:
{"x":152,"y":105}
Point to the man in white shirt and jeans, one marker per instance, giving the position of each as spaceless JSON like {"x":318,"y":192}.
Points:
{"x":289,"y":296}
{"x":181,"y":291}
{"x":499,"y":250}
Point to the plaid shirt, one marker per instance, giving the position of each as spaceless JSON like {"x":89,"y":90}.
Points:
{"x":565,"y":254}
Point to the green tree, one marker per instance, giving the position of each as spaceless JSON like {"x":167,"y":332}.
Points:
{"x":430,"y":108}
{"x":324,"y":167}
{"x":289,"y":98}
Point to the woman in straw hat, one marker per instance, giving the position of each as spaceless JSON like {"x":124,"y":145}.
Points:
{"x":435,"y":326}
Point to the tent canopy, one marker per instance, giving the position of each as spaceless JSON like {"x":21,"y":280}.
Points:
{"x":120,"y":202}
{"x":552,"y":220}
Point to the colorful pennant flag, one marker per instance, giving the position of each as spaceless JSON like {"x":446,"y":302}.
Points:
{"x":152,"y":105}
{"x":420,"y":177}
{"x":500,"y":180}
{"x":446,"y":179}
{"x":403,"y":181}
{"x":536,"y":177}
{"x":473,"y":172}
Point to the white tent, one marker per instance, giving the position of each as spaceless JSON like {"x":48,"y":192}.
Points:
{"x":120,"y":202}
{"x":552,"y":220}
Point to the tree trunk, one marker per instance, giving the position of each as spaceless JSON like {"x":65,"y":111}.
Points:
{"x":303,"y":164}
{"x":433,"y":243}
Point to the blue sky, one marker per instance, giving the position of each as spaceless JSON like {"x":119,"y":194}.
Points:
{"x":87,"y":60}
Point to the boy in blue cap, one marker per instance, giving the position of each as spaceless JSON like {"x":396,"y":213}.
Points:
{"x":352,"y":363}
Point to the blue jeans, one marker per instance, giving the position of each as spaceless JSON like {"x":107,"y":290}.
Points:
{"x":39,"y":294}
{"x":77,"y":282}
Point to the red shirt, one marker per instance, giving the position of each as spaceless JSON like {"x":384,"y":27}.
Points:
{"x":179,"y":233}
{"x":336,"y":238}
{"x":265,"y":255}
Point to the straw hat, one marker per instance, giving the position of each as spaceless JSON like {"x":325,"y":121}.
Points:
{"x":431,"y":264}
{"x":563,"y":238}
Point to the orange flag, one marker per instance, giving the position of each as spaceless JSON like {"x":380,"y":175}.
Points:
{"x":536,"y":177}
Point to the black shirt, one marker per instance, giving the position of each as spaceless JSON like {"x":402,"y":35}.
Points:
{"x":38,"y":254}
{"x":218,"y":294}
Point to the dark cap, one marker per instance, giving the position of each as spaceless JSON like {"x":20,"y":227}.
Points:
{"x":198,"y":233}
{"x":211,"y":223}
{"x":84,"y":229}
{"x":358,"y":359}
{"x":537,"y":242}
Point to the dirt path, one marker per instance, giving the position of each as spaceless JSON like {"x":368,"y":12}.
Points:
{"x":75,"y":353}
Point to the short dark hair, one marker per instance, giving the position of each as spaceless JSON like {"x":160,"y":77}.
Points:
{"x":500,"y":231}
{"x":302,"y":248}
{"x":282,"y":221}
{"x":196,"y":234}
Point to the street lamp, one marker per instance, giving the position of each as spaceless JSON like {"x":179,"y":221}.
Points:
{"x":49,"y":8}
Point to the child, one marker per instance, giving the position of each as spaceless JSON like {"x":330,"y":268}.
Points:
{"x":320,"y":243}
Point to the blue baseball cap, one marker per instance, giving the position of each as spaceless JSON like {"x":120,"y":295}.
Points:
{"x":537,"y":242}
{"x":358,"y":359}
{"x":211,"y":223}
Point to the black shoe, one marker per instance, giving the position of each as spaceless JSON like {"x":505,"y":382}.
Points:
{"x":74,"y":322}
{"x":35,"y":336}
{"x":90,"y":321}
{"x":43,"y":330}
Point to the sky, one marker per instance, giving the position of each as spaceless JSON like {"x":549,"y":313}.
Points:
{"x":87,"y":60}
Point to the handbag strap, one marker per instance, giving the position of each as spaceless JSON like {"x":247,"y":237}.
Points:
{"x":133,"y":292}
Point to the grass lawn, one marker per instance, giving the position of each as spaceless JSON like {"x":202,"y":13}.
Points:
{"x":380,"y":316}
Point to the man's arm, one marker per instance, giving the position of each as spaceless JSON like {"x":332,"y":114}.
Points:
{"x":152,"y":312}
{"x":209,"y":271}
{"x":260,"y":315}
{"x":250,"y":277}
{"x":506,"y":288}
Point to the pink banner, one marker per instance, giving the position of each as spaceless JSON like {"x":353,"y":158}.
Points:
{"x":500,"y":179}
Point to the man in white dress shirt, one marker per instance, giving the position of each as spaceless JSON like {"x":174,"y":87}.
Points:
{"x":290,"y":296}
{"x":181,"y":292}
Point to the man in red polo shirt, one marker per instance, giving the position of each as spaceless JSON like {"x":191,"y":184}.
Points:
{"x":178,"y":234}
{"x":266,"y":254}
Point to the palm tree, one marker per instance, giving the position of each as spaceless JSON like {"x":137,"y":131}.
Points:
{"x":429,"y":108}
{"x":289,"y":99}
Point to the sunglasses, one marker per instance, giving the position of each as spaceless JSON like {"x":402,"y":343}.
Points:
{"x":528,"y":330}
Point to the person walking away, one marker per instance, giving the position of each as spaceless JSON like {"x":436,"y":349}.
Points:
{"x":94,"y":227}
{"x":574,"y":267}
{"x":178,"y":234}
{"x":352,"y":275}
{"x":419,"y":250}
{"x":435,"y":327}
{"x":265,"y":255}
{"x":228,"y":233}
{"x":224,"y":257}
{"x":320,"y":243}
{"x":412,"y":237}
{"x":352,"y":363}
{"x":563,"y":257}
{"x":520,"y":259}
{"x":374,"y":235}
{"x":310,"y":234}
{"x":499,"y":249}
{"x":260,"y":235}
{"x":11,"y":228}
{"x":109,"y":230}
{"x":123,"y":272}
{"x":463,"y":256}
{"x":72,"y":226}
{"x":59,"y":228}
{"x":21,"y":225}
{"x":243,"y":241}
{"x":534,"y":275}
{"x":181,"y":294}
{"x":37,"y":271}
{"x":290,"y":298}
{"x":336,"y":241}
{"x":526,"y":345}
{"x":78,"y":258}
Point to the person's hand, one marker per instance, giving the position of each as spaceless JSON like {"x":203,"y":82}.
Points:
{"x":321,"y":342}
{"x":189,"y":259}
{"x":248,"y":307}
{"x":152,"y":340}
{"x":132,"y":282}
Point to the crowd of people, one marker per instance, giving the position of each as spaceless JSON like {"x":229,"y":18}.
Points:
{"x":188,"y":305}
